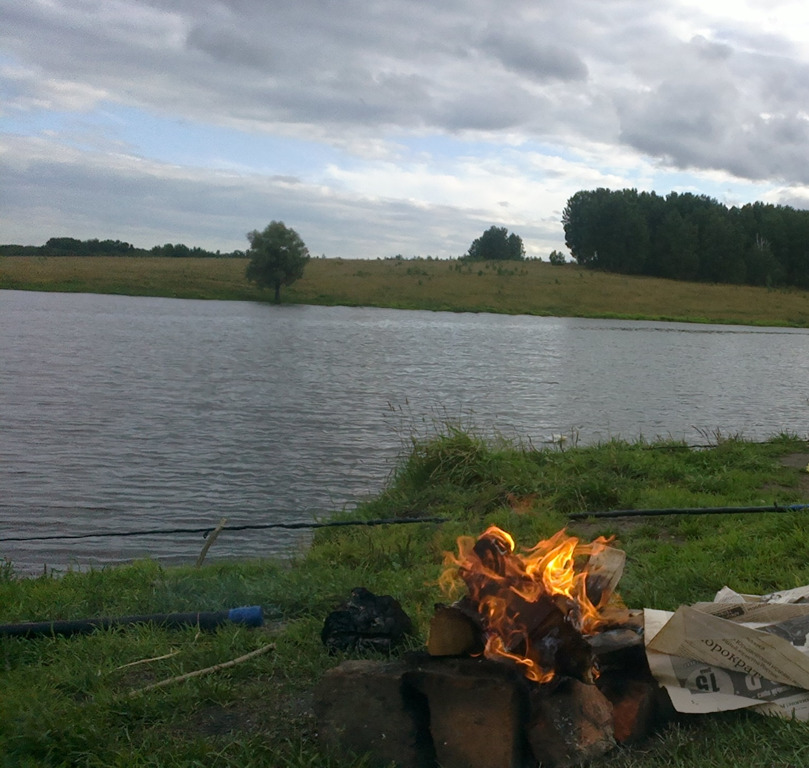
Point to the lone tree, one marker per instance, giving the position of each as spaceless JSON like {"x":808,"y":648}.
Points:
{"x":495,"y":244}
{"x":277,"y":257}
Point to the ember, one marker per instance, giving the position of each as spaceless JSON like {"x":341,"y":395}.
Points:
{"x":533,"y":608}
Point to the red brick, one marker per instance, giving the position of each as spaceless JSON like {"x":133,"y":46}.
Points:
{"x":476,"y":712}
{"x":634,"y":706}
{"x":362,"y":707}
{"x":569,"y":724}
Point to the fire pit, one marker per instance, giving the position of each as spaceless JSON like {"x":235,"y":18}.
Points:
{"x":537,"y":662}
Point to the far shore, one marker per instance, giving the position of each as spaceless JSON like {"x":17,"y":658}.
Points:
{"x":527,"y":287}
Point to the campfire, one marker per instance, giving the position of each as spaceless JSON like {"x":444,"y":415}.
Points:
{"x":533,"y":609}
{"x":536,"y":661}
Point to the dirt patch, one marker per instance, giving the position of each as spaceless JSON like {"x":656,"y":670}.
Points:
{"x":796,"y":460}
{"x":277,"y":716}
{"x":218,"y":721}
{"x":800,"y":463}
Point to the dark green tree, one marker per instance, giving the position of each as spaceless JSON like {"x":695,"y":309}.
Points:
{"x":277,"y":257}
{"x":607,"y":230}
{"x":582,"y":220}
{"x":557,"y":258}
{"x":762,"y":266}
{"x":676,"y":252}
{"x":496,"y":244}
{"x":721,"y":247}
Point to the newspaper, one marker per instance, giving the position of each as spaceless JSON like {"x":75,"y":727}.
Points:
{"x":740,"y":651}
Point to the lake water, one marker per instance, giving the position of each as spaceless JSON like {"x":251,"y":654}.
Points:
{"x":120,"y":414}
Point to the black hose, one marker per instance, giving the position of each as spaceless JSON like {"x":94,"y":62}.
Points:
{"x":251,"y":616}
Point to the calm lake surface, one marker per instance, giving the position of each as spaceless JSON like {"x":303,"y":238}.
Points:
{"x":121,"y":414}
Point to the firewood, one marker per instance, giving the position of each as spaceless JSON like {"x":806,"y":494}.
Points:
{"x":550,"y":640}
{"x":620,"y":648}
{"x":493,"y":552}
{"x":453,"y":632}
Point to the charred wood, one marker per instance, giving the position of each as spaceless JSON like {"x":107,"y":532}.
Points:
{"x":366,"y":622}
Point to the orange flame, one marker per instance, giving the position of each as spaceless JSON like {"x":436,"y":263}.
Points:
{"x":518,"y":595}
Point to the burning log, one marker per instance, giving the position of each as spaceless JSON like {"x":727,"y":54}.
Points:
{"x":538,"y":637}
{"x":533,"y":608}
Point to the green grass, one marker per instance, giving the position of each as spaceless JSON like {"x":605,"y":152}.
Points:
{"x":535,"y":288}
{"x":63,"y":701}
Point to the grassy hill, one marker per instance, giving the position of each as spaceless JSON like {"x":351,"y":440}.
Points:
{"x":535,"y":288}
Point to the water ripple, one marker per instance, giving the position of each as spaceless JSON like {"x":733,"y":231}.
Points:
{"x":124,"y":413}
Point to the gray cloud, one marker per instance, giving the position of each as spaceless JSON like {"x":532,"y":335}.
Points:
{"x":663,"y":81}
{"x":539,"y":60}
{"x":229,"y":46}
{"x":726,"y":110}
{"x":352,"y":63}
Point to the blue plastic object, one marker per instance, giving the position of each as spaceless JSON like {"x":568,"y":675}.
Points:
{"x":249,"y":615}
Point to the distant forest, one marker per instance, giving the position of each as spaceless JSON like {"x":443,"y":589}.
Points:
{"x":70,"y":246}
{"x":688,"y":237}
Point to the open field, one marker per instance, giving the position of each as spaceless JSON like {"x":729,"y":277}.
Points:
{"x":536,"y":288}
{"x":66,"y":701}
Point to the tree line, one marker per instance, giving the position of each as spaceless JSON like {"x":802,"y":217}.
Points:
{"x":684,"y":236}
{"x":71,"y":246}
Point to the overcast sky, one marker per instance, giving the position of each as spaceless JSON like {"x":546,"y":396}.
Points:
{"x":377,"y":127}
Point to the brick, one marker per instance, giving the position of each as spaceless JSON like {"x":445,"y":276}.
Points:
{"x":569,"y":723}
{"x":363,"y":707}
{"x":476,"y":711}
{"x":634,"y":705}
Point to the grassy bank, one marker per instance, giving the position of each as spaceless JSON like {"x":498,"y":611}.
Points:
{"x":67,"y":701}
{"x":535,"y":288}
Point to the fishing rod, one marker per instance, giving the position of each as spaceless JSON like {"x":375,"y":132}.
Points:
{"x":599,"y":514}
{"x":610,"y":513}
{"x":247,"y":527}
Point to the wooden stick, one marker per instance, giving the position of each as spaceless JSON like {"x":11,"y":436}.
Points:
{"x":147,"y":661}
{"x":200,"y":672}
{"x":210,"y":540}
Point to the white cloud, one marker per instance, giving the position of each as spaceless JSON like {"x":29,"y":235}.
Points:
{"x":27,"y":90}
